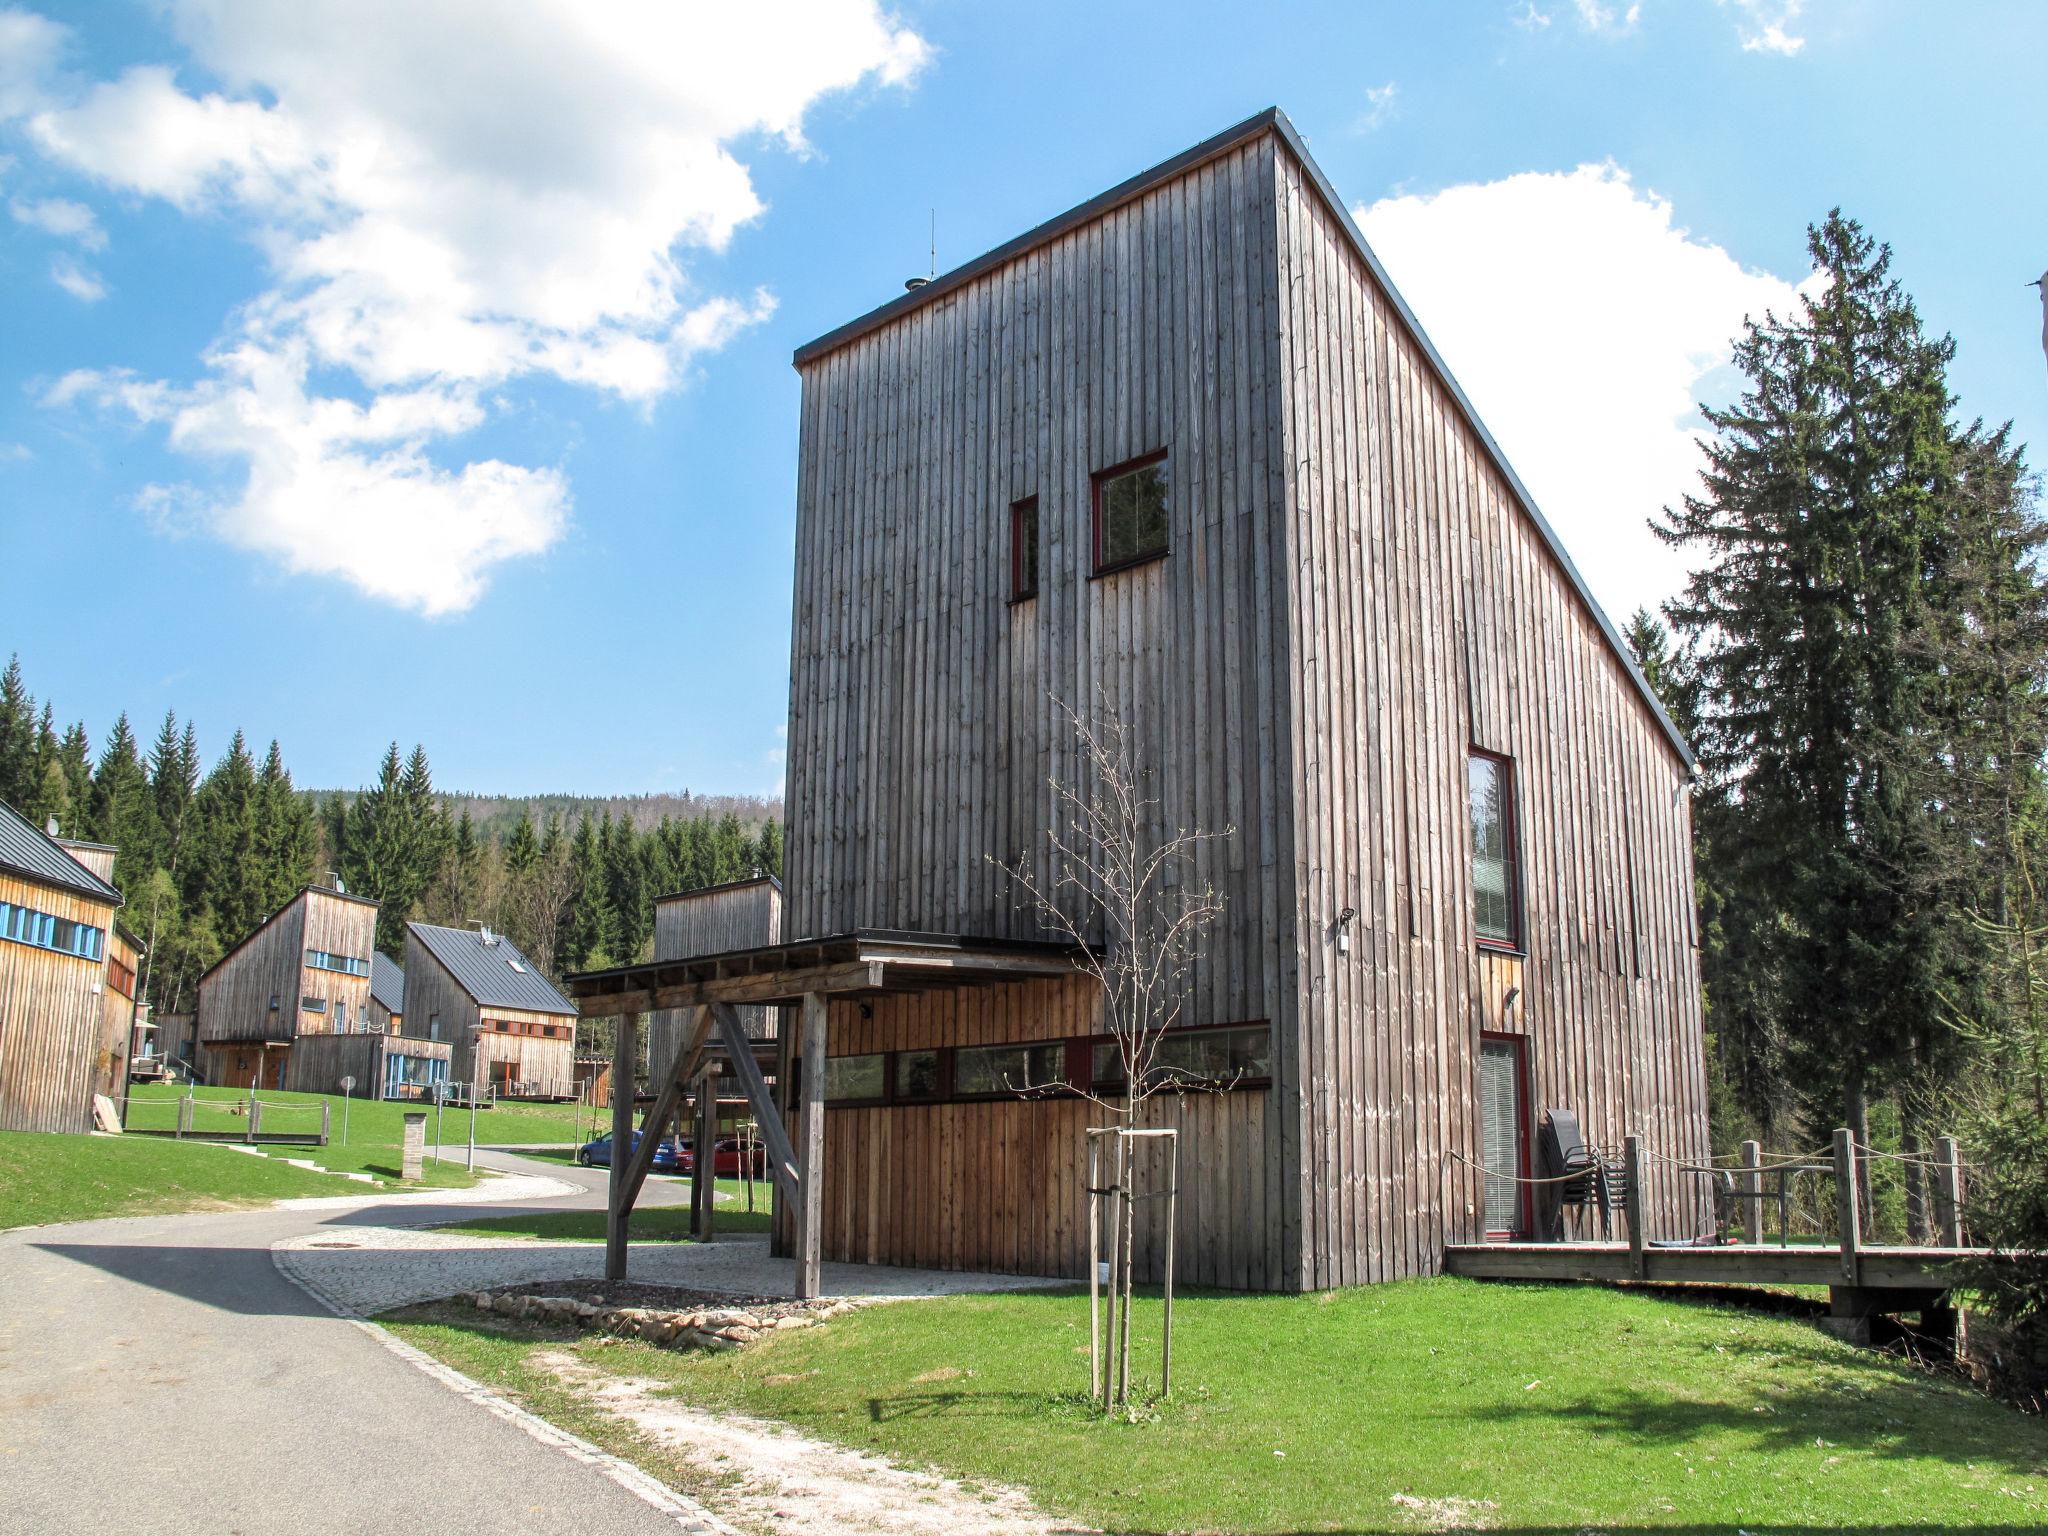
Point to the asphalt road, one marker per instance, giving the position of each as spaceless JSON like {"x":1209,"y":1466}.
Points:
{"x":159,"y":1374}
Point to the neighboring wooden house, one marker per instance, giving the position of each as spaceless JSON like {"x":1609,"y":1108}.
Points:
{"x":509,"y":1029}
{"x":56,"y":937}
{"x":740,"y":914}
{"x":1183,"y":454}
{"x":120,"y":1016}
{"x":305,"y":970}
{"x":387,"y":994}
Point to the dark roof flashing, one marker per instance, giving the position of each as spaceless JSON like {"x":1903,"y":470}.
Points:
{"x":722,"y":886}
{"x":1274,"y":121}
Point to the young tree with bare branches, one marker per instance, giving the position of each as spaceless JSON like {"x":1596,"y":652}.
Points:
{"x":1126,"y":892}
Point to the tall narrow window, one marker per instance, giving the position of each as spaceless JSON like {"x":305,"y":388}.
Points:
{"x":1024,"y":549}
{"x":1131,"y":513}
{"x":1503,"y":1139}
{"x":1496,"y":894}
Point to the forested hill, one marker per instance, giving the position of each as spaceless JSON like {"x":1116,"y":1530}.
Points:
{"x":494,"y":816}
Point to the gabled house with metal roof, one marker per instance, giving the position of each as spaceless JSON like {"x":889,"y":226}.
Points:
{"x":56,"y":932}
{"x":507,"y":1027}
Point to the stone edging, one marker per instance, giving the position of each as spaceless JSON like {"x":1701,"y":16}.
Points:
{"x":714,"y":1328}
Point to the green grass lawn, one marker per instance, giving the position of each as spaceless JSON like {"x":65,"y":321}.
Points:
{"x":662,"y":1223}
{"x":1565,"y":1409}
{"x":46,"y":1178}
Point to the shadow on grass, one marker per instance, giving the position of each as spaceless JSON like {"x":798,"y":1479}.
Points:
{"x":1797,"y":1419}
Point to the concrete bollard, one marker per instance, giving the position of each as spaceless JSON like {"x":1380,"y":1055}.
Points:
{"x":412,"y":1157}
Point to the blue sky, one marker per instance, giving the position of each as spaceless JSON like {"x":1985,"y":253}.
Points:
{"x":384,"y":370}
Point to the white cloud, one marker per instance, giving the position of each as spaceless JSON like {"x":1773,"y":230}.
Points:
{"x":83,"y":285}
{"x":1529,"y":19}
{"x":63,"y":218}
{"x":1585,"y":324}
{"x":452,"y":198}
{"x":15,"y":453}
{"x":30,"y":46}
{"x":1606,"y":20}
{"x":1766,"y":25}
{"x":1380,"y":105}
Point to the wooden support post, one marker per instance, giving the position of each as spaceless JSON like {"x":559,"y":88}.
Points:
{"x":780,"y":1223}
{"x":255,"y":1115}
{"x":1632,"y":1160}
{"x":625,"y":1047}
{"x":1948,"y":1192}
{"x":810,"y":1209}
{"x":1752,"y":1188}
{"x":1848,"y":1211}
{"x":326,"y":1120}
{"x":703,"y":1189}
{"x":739,"y":1051}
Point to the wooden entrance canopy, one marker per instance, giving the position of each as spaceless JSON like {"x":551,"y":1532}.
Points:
{"x":803,"y":973}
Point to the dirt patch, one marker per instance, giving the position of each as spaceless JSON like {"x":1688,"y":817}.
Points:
{"x":1447,"y":1514}
{"x":656,"y":1298}
{"x":772,"y":1478}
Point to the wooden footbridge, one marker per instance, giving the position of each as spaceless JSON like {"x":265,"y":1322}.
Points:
{"x":1865,"y":1281}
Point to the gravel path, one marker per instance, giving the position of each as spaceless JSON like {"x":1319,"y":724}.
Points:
{"x":372,"y":1269}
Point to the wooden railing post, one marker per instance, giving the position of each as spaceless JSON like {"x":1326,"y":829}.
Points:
{"x":1752,"y":1187}
{"x":1948,"y":1192}
{"x":255,"y":1116}
{"x":326,"y":1121}
{"x":1632,"y":1159}
{"x":1848,"y":1213}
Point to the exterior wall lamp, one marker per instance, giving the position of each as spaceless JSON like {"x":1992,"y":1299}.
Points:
{"x":1344,"y":921}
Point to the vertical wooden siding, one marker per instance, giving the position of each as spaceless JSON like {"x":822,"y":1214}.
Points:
{"x":921,"y":736}
{"x":234,"y":997}
{"x":711,"y":922}
{"x":52,"y":1012}
{"x":1429,"y":618}
{"x":1000,"y":1184}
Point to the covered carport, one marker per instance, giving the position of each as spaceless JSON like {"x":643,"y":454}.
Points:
{"x":803,"y":975}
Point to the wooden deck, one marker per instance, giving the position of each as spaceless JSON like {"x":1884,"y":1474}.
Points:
{"x":1901,"y":1269}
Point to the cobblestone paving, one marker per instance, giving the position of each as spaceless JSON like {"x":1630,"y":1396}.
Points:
{"x":371,"y":1269}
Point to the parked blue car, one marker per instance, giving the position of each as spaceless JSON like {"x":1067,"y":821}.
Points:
{"x":668,"y":1156}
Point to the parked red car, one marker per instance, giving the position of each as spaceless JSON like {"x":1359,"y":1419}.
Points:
{"x":727,"y":1158}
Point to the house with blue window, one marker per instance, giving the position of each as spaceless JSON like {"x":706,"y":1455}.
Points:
{"x":56,"y":923}
{"x":292,"y":1006}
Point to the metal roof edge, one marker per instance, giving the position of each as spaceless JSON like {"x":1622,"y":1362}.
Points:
{"x":723,"y":885}
{"x":1321,"y":182}
{"x":1081,"y":213}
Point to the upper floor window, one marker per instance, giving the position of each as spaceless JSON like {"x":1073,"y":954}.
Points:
{"x":1496,"y":880}
{"x":1024,"y":549}
{"x":1131,"y":513}
{"x":347,"y":965}
{"x":310,"y":1004}
{"x":25,"y":925}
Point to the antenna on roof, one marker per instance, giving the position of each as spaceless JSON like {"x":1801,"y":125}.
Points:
{"x":485,"y":936}
{"x":339,"y":888}
{"x":50,"y":826}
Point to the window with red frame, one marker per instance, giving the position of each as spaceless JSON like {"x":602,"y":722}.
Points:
{"x":1496,"y":875}
{"x":1024,"y":549}
{"x":1131,"y":513}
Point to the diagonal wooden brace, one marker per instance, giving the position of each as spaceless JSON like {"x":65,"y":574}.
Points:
{"x":696,"y":1037}
{"x":781,"y":1156}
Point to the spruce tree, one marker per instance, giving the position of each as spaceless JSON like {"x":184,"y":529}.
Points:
{"x":18,"y":777}
{"x":122,"y":811}
{"x":1818,"y":699}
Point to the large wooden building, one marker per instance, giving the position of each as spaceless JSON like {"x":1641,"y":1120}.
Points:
{"x":506,"y":1025}
{"x":62,"y":1026}
{"x":738,"y":914}
{"x":1183,"y":454}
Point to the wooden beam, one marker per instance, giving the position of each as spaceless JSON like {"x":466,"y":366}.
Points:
{"x":668,"y":1102}
{"x":773,"y":987}
{"x":1752,"y":1187}
{"x":782,"y":1161}
{"x":620,"y":1205}
{"x":810,"y":1210}
{"x":1948,"y":1192}
{"x":1632,"y":1158}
